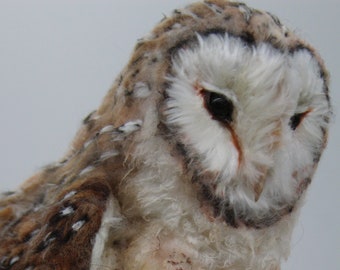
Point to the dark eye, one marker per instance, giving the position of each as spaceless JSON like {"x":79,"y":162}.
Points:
{"x":296,"y":119}
{"x":220,"y":107}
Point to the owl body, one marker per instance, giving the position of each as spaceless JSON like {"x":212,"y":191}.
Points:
{"x":198,"y":157}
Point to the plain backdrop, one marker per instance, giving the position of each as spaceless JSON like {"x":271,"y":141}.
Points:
{"x":58,"y":58}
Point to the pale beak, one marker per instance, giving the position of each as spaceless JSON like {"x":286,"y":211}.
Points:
{"x":259,"y":185}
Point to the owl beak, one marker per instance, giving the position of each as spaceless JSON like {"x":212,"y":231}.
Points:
{"x":258,"y":188}
{"x":259,"y":185}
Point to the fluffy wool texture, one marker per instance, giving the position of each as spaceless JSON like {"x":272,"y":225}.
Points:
{"x":160,"y":177}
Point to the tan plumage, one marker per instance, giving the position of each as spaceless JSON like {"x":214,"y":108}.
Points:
{"x":139,"y":190}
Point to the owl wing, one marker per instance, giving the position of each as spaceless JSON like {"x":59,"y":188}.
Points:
{"x":53,"y":221}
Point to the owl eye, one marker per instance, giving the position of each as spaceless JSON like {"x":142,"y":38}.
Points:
{"x":220,"y":107}
{"x":296,"y":119}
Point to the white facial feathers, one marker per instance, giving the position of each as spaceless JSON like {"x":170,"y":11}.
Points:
{"x":267,"y":88}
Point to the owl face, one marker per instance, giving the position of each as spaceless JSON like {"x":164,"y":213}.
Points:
{"x":252,"y":120}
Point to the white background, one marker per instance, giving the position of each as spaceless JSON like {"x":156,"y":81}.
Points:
{"x":58,"y":58}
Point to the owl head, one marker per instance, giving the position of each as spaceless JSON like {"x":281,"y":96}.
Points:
{"x":241,"y":103}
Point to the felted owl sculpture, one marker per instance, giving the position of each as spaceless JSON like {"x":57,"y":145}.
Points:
{"x":198,"y":158}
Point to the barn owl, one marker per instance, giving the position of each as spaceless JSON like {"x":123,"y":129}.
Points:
{"x":199,"y":156}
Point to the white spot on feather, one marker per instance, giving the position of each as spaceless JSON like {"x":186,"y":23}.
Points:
{"x":176,"y":26}
{"x":109,"y":154}
{"x":86,"y":170}
{"x":130,"y":127}
{"x":106,"y":129}
{"x":70,"y":194}
{"x":76,"y":226}
{"x":14,"y":260}
{"x":67,"y":211}
{"x":86,"y":144}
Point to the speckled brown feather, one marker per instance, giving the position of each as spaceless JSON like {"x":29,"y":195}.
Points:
{"x":33,"y":233}
{"x":36,"y":238}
